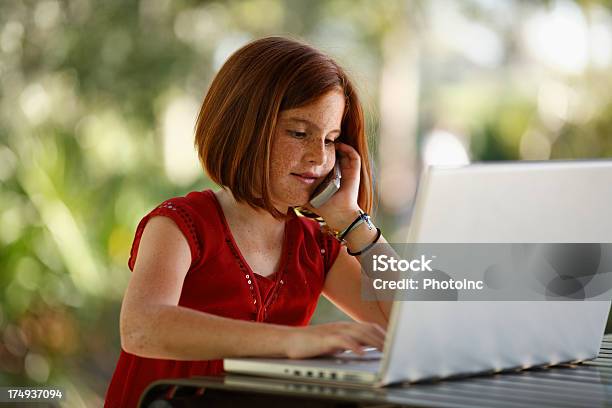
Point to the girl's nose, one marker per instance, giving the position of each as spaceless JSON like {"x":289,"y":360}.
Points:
{"x":316,"y":153}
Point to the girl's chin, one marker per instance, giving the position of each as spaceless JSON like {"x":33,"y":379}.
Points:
{"x":294,"y":200}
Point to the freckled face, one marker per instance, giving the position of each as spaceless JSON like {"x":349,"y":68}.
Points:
{"x":302,"y":151}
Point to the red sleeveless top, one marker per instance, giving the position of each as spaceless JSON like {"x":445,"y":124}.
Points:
{"x":219,"y":281}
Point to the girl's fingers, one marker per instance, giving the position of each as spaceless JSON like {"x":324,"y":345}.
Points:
{"x":347,"y":154}
{"x":379,"y":329}
{"x":368,"y":334}
{"x":353,"y":336}
{"x":378,"y":332}
{"x":345,"y":342}
{"x":347,"y":151}
{"x":350,"y":344}
{"x":371,"y":337}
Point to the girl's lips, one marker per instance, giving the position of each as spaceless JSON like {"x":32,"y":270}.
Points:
{"x":305,"y":179}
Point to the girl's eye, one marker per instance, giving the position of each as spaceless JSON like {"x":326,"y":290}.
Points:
{"x":297,"y":134}
{"x":329,"y":142}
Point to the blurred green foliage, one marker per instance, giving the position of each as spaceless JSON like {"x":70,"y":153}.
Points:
{"x":85,"y":90}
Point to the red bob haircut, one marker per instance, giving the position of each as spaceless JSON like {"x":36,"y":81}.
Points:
{"x":237,"y":120}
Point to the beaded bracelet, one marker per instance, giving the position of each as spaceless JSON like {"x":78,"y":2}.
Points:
{"x":370,"y":245}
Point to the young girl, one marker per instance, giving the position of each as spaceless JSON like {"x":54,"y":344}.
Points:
{"x":238,"y":272}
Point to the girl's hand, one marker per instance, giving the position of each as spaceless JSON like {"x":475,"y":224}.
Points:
{"x":329,"y":338}
{"x":342,"y":207}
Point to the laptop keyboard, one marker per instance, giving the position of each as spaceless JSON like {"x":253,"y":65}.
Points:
{"x":370,"y":353}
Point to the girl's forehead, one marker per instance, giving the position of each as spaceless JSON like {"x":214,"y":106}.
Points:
{"x":332,"y":99}
{"x":324,"y":108}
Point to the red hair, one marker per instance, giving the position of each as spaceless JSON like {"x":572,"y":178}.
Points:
{"x":237,"y":120}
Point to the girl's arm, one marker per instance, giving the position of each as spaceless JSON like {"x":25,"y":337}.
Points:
{"x":153,"y":325}
{"x":343,"y":284}
{"x":343,"y":281}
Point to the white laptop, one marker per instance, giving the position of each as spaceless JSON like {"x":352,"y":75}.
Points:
{"x":511,"y":202}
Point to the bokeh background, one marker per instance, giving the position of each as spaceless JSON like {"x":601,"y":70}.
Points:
{"x":98,"y":101}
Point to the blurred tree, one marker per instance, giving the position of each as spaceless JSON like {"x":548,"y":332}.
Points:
{"x":98,"y":98}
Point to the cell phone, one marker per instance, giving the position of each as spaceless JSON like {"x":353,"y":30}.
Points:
{"x":327,"y":188}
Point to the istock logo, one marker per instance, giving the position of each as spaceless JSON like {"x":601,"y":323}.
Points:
{"x":382,"y":263}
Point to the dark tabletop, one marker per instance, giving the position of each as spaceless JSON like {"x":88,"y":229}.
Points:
{"x":588,"y":384}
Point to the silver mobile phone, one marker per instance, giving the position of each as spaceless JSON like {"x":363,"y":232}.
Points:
{"x":327,"y":188}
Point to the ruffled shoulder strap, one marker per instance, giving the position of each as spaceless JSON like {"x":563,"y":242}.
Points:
{"x":179,"y":210}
